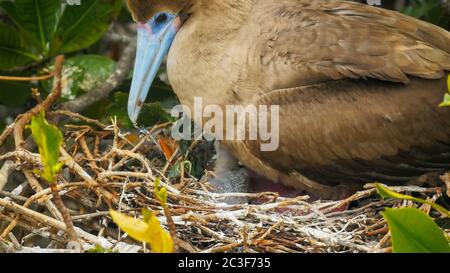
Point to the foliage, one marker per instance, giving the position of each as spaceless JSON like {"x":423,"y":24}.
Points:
{"x":13,"y":51}
{"x":151,"y":113}
{"x":20,"y":90}
{"x":98,"y":249}
{"x":34,"y":31}
{"x":81,"y":74}
{"x":428,"y":10}
{"x":412,"y":230}
{"x":45,"y":28}
{"x":49,"y":139}
{"x":160,"y":193}
{"x":446,"y":102}
{"x":148,"y":230}
{"x":180,"y":167}
{"x":387,"y":193}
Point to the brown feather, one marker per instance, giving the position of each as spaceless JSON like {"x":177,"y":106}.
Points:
{"x":358,"y":86}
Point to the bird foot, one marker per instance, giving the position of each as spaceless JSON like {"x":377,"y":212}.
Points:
{"x":338,"y":192}
{"x":243,"y":180}
{"x":232,"y":181}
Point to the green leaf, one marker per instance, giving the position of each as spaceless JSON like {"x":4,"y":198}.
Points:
{"x":178,"y":167}
{"x":98,"y":249}
{"x":151,"y":113}
{"x":10,"y":9}
{"x":161,"y":193}
{"x":428,"y":10}
{"x":82,"y":74}
{"x":39,"y":18}
{"x":49,"y":139}
{"x":14,"y":94}
{"x":413,"y":231}
{"x":448,"y":83}
{"x":146,"y":215}
{"x":13,"y":50}
{"x":82,"y":25}
{"x":148,"y":230}
{"x":446,"y":102}
{"x":384,"y":192}
{"x":174,"y":172}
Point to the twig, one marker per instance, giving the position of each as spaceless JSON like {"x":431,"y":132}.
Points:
{"x":446,"y":178}
{"x":72,"y":164}
{"x":44,"y":106}
{"x":5,"y":172}
{"x":64,"y":212}
{"x":225,"y":248}
{"x":352,"y":198}
{"x":23,"y":155}
{"x":52,"y":222}
{"x":145,"y":176}
{"x":378,"y":232}
{"x":6,"y":247}
{"x":6,"y":133}
{"x":27,"y":79}
{"x":38,"y":188}
{"x":216,"y":235}
{"x":14,"y":196}
{"x":172,"y":227}
{"x":87,"y":152}
{"x":43,"y":232}
{"x":80,"y":117}
{"x":269,"y":231}
{"x":44,"y":250}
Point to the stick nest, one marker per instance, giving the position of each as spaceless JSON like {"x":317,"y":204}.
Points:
{"x":106,"y":168}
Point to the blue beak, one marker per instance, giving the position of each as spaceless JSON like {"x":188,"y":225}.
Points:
{"x":153,"y":43}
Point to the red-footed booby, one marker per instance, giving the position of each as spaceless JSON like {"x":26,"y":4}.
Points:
{"x":358,"y":87}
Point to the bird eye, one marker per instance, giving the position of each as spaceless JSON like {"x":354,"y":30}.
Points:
{"x":161,"y":18}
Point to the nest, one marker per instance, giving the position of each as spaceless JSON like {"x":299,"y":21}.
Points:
{"x":106,"y":168}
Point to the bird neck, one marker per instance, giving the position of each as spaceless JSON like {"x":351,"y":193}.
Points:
{"x":220,"y":15}
{"x":197,"y":54}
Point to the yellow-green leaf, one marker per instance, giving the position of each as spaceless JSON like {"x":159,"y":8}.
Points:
{"x":446,"y":102}
{"x":413,"y":231}
{"x":146,"y":215}
{"x":149,"y":231}
{"x":448,"y":83}
{"x":384,"y":192}
{"x":49,"y":139}
{"x":161,"y":193}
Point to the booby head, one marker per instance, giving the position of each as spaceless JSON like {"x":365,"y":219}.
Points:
{"x":158,"y":23}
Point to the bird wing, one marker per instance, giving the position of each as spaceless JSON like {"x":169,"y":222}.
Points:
{"x":310,"y":58}
{"x":353,"y":131}
{"x":306,"y":42}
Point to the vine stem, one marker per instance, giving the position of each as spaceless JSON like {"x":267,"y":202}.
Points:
{"x":57,"y":200}
{"x":172,"y":227}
